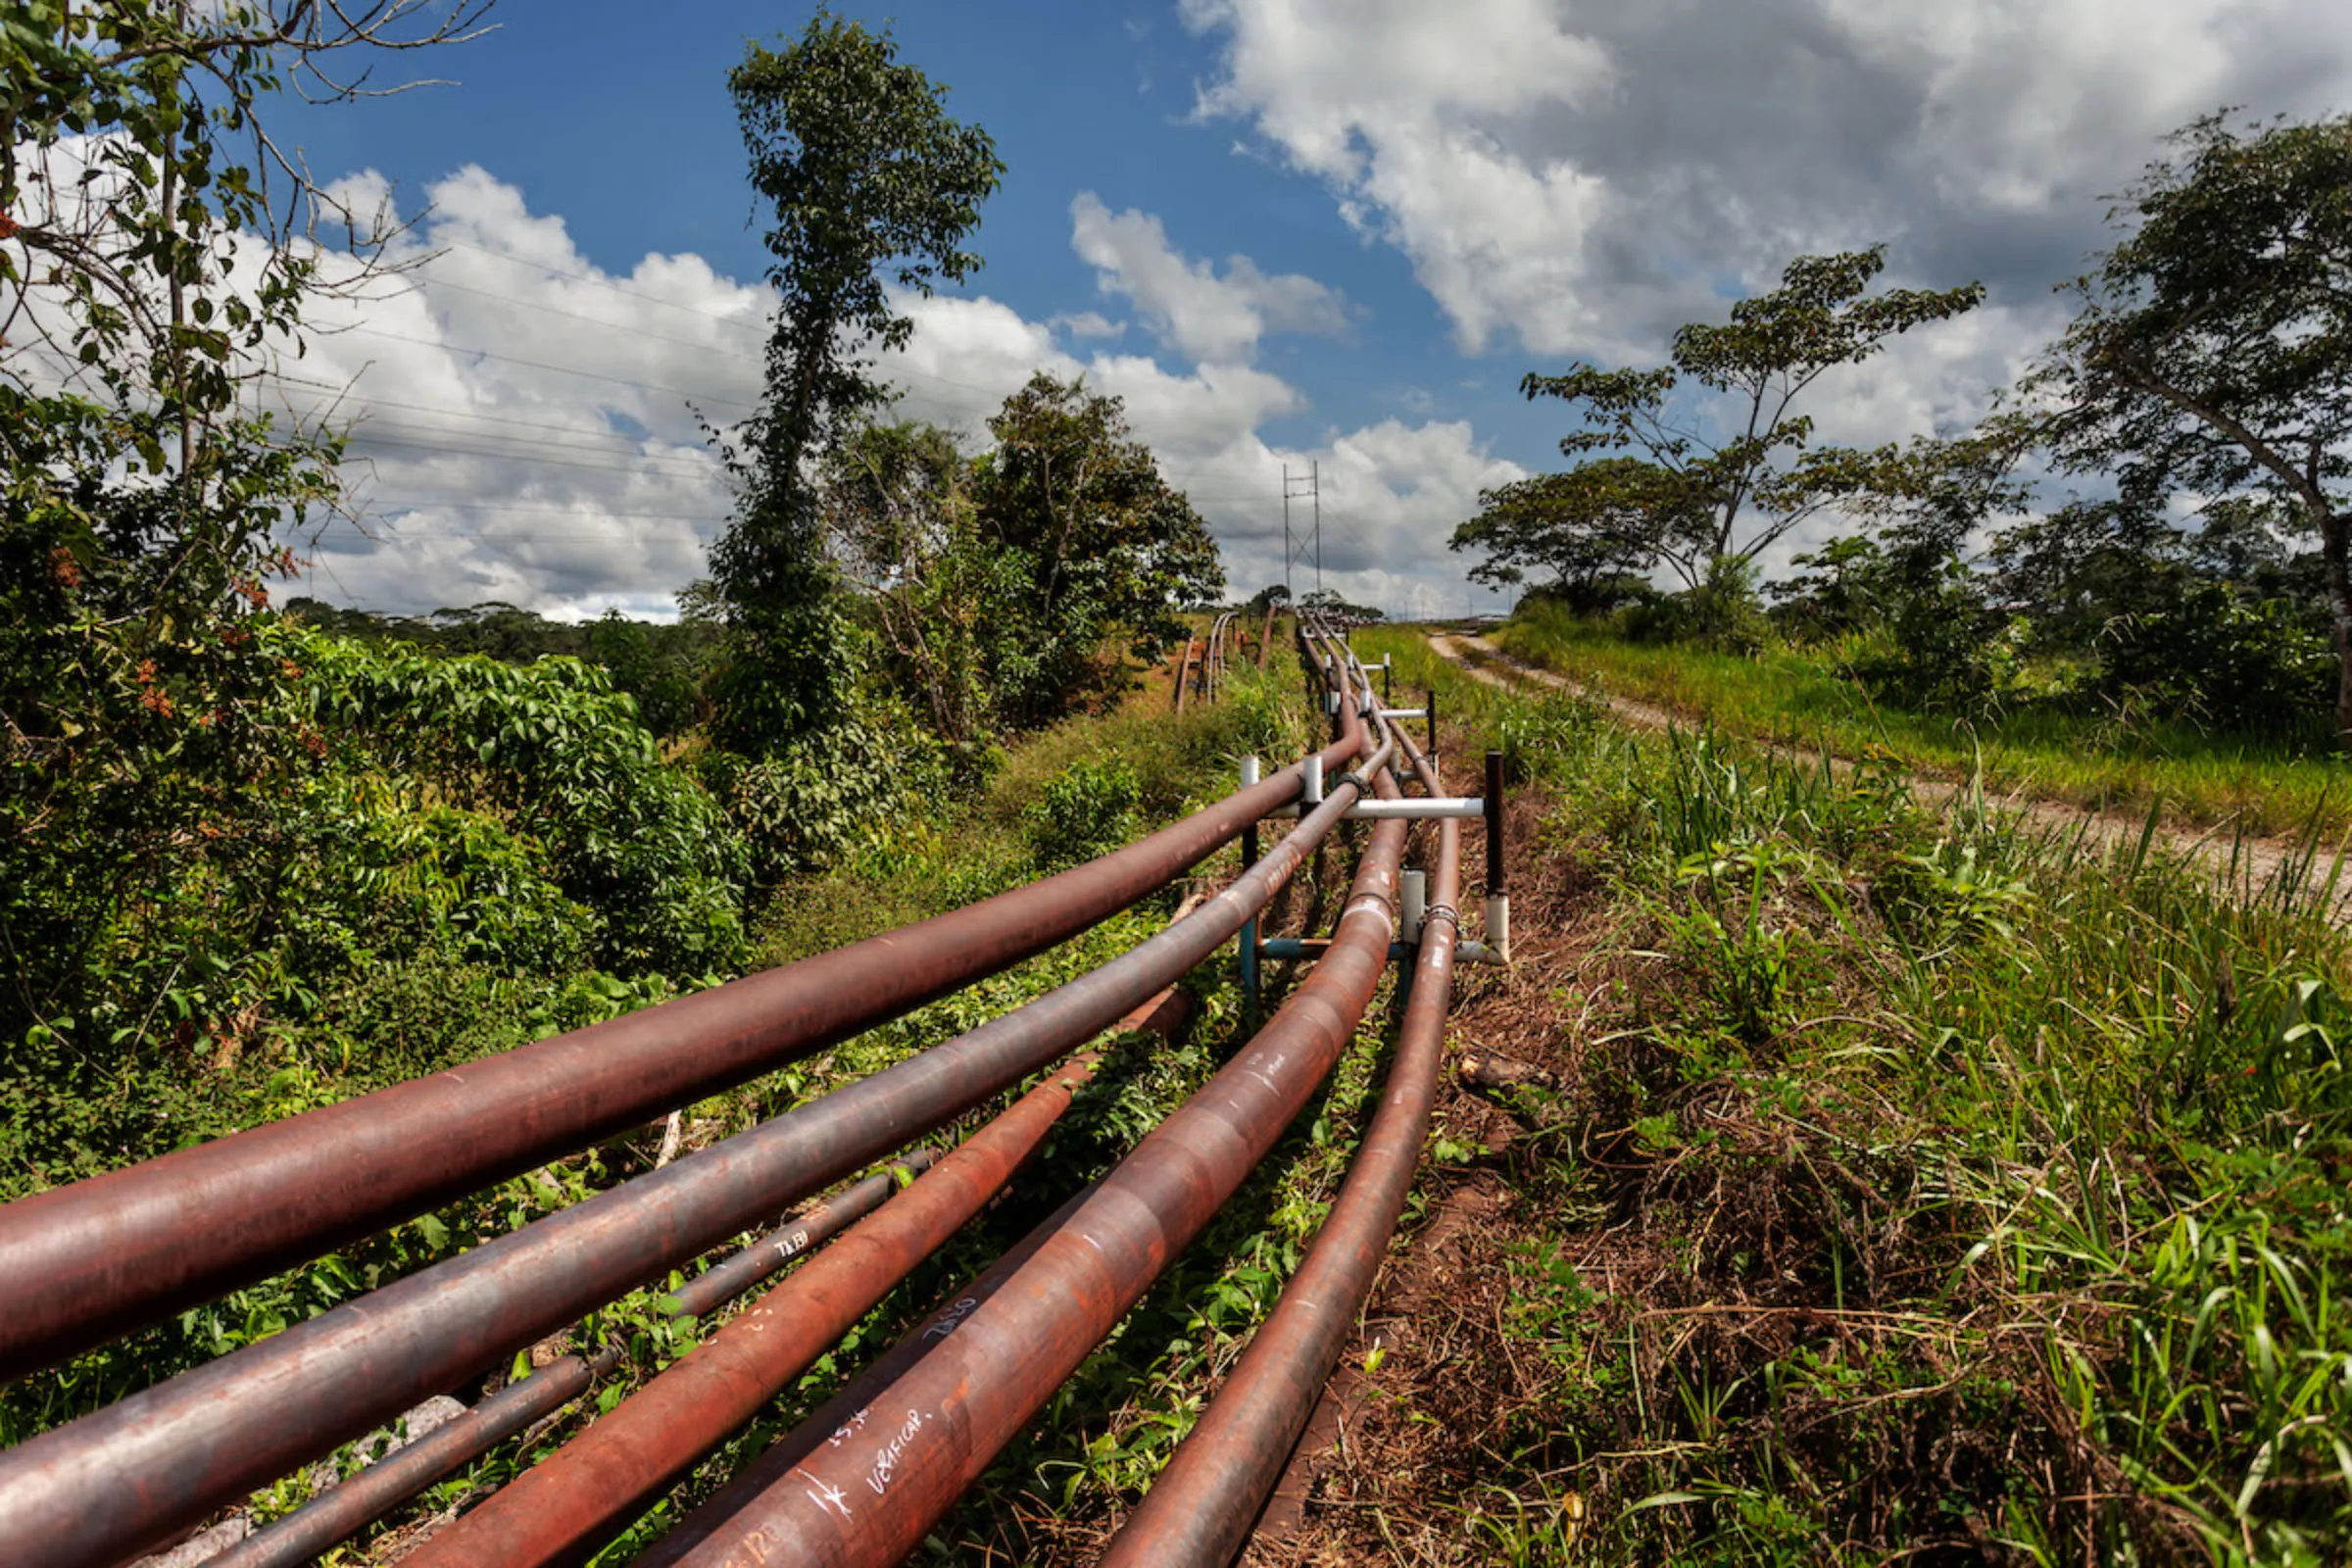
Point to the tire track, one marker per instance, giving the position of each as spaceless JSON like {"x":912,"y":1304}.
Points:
{"x":2246,"y":868}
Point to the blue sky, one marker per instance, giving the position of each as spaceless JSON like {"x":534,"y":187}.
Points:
{"x":1287,"y":230}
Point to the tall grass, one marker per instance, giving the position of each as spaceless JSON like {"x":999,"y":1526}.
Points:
{"x":2071,"y":1128}
{"x":2121,"y":758}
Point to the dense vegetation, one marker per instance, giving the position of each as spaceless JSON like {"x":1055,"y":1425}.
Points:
{"x":228,"y":833}
{"x":256,"y":857}
{"x":2195,"y":582}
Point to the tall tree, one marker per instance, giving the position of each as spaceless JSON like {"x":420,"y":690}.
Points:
{"x":1701,"y":495}
{"x":2214,"y":347}
{"x":871,"y":184}
{"x":1106,"y":545}
{"x":1588,"y":528}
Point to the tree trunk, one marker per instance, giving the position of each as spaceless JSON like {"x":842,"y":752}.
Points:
{"x":2336,"y":536}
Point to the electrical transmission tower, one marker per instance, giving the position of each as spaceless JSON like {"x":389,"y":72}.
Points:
{"x":1291,"y":554}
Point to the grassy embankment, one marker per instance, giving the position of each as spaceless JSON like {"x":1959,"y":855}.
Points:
{"x":1062,"y":795}
{"x":1907,"y":1187}
{"x":2130,"y":762}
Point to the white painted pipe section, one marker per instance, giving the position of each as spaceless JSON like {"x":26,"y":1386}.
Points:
{"x":1498,"y":925}
{"x":1404,"y":713}
{"x":1416,"y":904}
{"x":1419,"y":809}
{"x":1250,"y":769}
{"x":1310,"y":782}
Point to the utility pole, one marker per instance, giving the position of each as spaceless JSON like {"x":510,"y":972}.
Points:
{"x":1314,"y":480}
{"x":1287,"y":554}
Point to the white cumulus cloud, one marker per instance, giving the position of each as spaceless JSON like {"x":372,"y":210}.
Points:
{"x":1578,"y":178}
{"x":1203,"y":315}
{"x":529,"y":428}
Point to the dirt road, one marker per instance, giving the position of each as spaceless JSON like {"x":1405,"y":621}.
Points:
{"x":2249,"y":867}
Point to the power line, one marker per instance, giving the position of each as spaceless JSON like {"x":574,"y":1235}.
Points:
{"x":541,"y":365}
{"x":433,"y":281}
{"x":440,"y":449}
{"x":471,"y":416}
{"x":437,"y":504}
{"x":505,"y":536}
{"x":692,"y":457}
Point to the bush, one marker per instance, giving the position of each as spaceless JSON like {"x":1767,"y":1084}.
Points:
{"x":1086,"y":810}
{"x":1946,"y":651}
{"x":560,"y":756}
{"x":1724,"y":612}
{"x":811,"y":802}
{"x":2256,"y":667}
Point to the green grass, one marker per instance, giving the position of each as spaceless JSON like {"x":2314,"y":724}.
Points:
{"x":1798,"y":699}
{"x":1962,"y":1196}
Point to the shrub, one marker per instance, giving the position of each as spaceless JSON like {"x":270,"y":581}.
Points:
{"x":808,"y":805}
{"x":561,"y":757}
{"x":1946,"y":651}
{"x":2238,"y":665}
{"x":1088,"y":809}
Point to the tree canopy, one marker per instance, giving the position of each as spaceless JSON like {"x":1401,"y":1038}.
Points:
{"x":1105,"y":543}
{"x":2212,"y":353}
{"x":1660,"y":482}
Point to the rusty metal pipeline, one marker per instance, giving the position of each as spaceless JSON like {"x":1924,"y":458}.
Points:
{"x":562,"y":1510}
{"x":111,"y":1483}
{"x":870,"y":1498}
{"x":840,"y":1416}
{"x":1202,"y":1509}
{"x":84,"y":1262}
{"x":355,"y":1504}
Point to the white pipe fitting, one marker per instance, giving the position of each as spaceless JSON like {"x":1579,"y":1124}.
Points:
{"x":1310,"y":782}
{"x":1499,"y":926}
